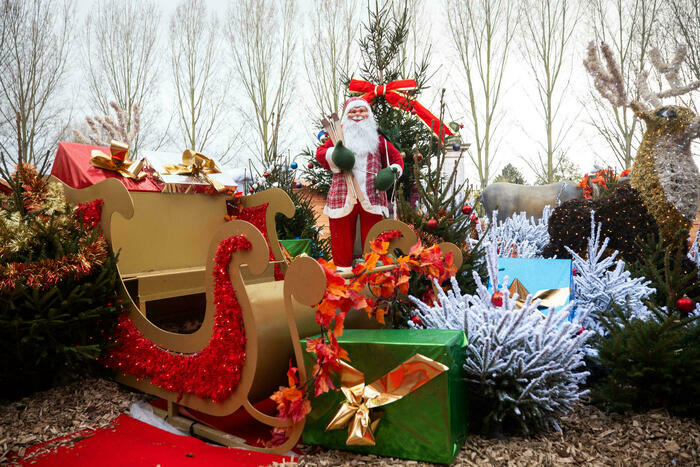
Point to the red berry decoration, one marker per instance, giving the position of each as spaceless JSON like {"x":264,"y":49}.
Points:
{"x":432,"y":224}
{"x":466,"y":209}
{"x":310,"y":165}
{"x":578,"y":333}
{"x":497,"y":299}
{"x":474,"y":217}
{"x":574,"y":271}
{"x":685,"y":304}
{"x":418,"y":157}
{"x":417,"y":321}
{"x":266,"y":174}
{"x":252,"y":190}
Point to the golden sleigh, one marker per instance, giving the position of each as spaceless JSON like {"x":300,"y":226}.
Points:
{"x":167,"y":244}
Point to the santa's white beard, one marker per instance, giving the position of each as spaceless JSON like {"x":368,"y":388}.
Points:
{"x":361,"y":137}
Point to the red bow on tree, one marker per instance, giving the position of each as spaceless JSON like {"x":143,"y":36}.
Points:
{"x":395,"y":94}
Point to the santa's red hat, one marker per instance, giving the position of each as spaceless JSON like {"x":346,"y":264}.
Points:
{"x":355,"y":102}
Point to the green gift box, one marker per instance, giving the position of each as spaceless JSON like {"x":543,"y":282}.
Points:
{"x":428,"y":424}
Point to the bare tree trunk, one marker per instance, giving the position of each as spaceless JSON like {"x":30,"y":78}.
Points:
{"x":36,"y":45}
{"x":628,"y":26}
{"x":482,"y":31}
{"x":122,"y":58}
{"x":198,"y":75}
{"x":330,"y":53}
{"x":262,"y":42}
{"x":548,"y":27}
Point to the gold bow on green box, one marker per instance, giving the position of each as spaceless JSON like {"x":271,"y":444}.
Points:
{"x":197,"y":166}
{"x":550,"y":298}
{"x":117,"y":161}
{"x":361,"y":399}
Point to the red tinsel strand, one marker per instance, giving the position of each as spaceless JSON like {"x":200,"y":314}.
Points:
{"x":89,"y":213}
{"x":257,"y":215}
{"x":213,"y":373}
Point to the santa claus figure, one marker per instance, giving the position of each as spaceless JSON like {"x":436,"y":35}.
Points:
{"x":359,"y":183}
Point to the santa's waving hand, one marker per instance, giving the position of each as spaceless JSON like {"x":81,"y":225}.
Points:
{"x":356,"y":191}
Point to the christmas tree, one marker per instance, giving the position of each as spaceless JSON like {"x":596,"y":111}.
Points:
{"x":382,"y":62}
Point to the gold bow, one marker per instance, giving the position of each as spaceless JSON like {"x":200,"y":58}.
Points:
{"x":360,"y":398}
{"x":198,"y":166}
{"x":550,"y":298}
{"x":117,"y":161}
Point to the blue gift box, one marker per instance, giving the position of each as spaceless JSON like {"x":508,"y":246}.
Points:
{"x":537,"y":274}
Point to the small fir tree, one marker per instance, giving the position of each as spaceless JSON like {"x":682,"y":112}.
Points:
{"x":673,"y":274}
{"x":652,"y":363}
{"x":510,"y":174}
{"x":303,"y":224}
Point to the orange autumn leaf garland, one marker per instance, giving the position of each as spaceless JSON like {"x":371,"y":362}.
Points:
{"x":343,"y":295}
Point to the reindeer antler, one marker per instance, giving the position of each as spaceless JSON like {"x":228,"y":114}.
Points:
{"x":608,"y":82}
{"x":670,"y":72}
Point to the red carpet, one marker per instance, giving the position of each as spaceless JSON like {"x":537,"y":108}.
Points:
{"x":133,"y":443}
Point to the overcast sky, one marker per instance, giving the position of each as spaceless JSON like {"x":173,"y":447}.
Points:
{"x":520,"y":130}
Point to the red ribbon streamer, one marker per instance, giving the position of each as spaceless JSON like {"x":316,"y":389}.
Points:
{"x":395,"y":94}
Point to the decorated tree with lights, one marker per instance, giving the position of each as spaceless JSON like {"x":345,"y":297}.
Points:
{"x":522,"y":369}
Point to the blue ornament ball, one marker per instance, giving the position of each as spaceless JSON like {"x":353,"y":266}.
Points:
{"x":294,"y":165}
{"x":298,"y":184}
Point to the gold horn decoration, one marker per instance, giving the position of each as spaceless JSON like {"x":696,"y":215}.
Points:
{"x":550,"y":298}
{"x":198,"y":166}
{"x":117,"y":161}
{"x":361,"y":399}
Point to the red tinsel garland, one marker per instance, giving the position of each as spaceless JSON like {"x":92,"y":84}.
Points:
{"x":257,"y":216}
{"x":47,"y":273}
{"x":214,"y":372}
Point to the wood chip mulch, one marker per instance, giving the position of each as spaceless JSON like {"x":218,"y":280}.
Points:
{"x":61,"y":411}
{"x":589,"y":436}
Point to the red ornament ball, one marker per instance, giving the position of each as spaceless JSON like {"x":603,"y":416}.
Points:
{"x":685,"y":304}
{"x":466,"y":209}
{"x":432,"y":224}
{"x":574,"y":271}
{"x":252,"y":190}
{"x":310,"y":165}
{"x":418,"y":157}
{"x":497,"y":299}
{"x":266,"y":174}
{"x":474,"y":217}
{"x":417,"y":321}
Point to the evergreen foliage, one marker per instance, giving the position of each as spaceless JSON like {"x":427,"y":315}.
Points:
{"x":673,"y":273}
{"x":52,"y":322}
{"x":653,"y":363}
{"x":521,"y":368}
{"x":382,"y":62}
{"x":303,"y":223}
{"x":318,"y":178}
{"x":510,"y":174}
{"x":50,"y":336}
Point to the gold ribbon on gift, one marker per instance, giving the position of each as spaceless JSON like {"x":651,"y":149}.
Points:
{"x":361,"y":398}
{"x":117,"y":161}
{"x":197,"y":166}
{"x":550,"y":298}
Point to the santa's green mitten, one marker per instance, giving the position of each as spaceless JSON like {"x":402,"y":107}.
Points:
{"x":343,"y":157}
{"x":385,"y":179}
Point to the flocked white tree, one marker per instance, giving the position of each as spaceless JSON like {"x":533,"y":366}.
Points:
{"x":518,"y":235}
{"x":601,"y":281}
{"x":524,"y":367}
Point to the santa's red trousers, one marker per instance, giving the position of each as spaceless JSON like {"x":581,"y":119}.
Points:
{"x":343,"y":233}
